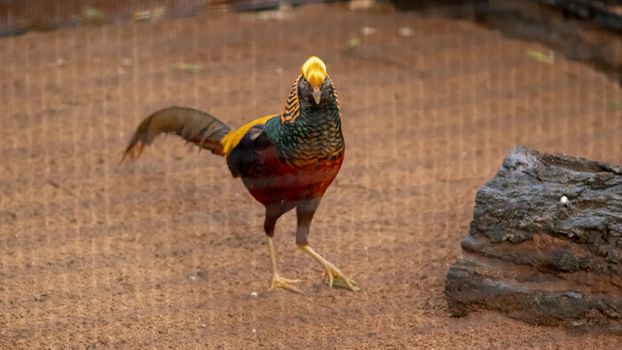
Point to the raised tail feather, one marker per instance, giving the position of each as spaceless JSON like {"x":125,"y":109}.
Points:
{"x":200,"y":128}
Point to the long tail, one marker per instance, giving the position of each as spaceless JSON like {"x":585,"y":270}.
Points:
{"x":200,"y":128}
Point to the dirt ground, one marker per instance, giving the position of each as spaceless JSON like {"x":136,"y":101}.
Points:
{"x":167,"y":252}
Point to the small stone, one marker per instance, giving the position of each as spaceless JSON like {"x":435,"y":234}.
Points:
{"x":357,"y":5}
{"x":254,"y":294}
{"x":367,"y":31}
{"x":405,"y":31}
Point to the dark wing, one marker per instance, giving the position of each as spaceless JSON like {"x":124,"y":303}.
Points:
{"x":243,"y":159}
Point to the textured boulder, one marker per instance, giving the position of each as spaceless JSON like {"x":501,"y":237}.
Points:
{"x":545,"y":244}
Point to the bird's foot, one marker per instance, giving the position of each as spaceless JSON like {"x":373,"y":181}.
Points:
{"x":336,"y":278}
{"x":332,"y":275}
{"x":285,"y":283}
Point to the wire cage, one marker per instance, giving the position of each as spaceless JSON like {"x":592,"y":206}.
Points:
{"x":169,"y":251}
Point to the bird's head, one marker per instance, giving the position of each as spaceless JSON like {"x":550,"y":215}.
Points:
{"x":312,"y":89}
{"x":312,"y":77}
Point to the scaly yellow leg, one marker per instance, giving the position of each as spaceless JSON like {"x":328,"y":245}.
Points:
{"x":332,"y":274}
{"x":277,"y":281}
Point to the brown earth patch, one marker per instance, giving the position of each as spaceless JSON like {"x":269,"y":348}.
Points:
{"x":166,"y":252}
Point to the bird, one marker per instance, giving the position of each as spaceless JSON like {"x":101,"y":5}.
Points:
{"x":286,"y":161}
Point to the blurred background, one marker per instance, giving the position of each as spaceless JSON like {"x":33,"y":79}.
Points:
{"x":169,"y":252}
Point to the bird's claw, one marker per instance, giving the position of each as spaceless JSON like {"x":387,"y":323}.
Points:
{"x":337,"y":279}
{"x":285,"y":283}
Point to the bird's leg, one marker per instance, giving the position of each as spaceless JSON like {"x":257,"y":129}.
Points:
{"x":335,"y":278}
{"x":276,"y":280}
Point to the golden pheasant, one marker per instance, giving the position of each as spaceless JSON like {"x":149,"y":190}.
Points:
{"x":286,"y":161}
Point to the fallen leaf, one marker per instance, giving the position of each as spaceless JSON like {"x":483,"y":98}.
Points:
{"x":541,"y":56}
{"x":615,"y":106}
{"x":93,"y":15}
{"x":354,"y":42}
{"x":187,"y":67}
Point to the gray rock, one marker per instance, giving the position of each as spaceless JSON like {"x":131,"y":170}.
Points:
{"x":537,"y":257}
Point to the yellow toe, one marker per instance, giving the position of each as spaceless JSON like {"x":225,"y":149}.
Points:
{"x":285,"y":283}
{"x":338,"y":279}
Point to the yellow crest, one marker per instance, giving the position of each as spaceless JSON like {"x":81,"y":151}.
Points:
{"x":314,"y":70}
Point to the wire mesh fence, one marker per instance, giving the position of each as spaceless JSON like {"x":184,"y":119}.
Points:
{"x":170,"y":251}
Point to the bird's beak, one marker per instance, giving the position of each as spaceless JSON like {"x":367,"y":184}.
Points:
{"x":317,"y":94}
